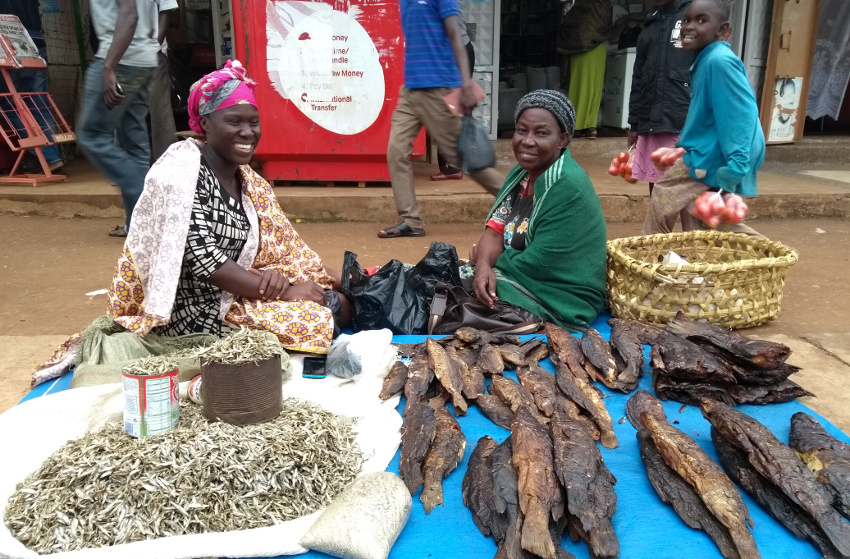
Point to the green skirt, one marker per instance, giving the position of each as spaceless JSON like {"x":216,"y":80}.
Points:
{"x":587,"y":73}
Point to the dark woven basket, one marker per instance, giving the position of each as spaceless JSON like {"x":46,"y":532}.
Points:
{"x":242,"y":394}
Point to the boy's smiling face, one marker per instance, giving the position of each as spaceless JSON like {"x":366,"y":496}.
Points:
{"x":702,"y":25}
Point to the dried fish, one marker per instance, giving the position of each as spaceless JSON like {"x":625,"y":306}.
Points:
{"x":419,"y":377}
{"x":687,"y":459}
{"x":586,"y":397}
{"x":599,"y":362}
{"x":495,"y":409}
{"x":817,"y":449}
{"x":506,"y":500}
{"x":478,"y":491}
{"x":517,"y":396}
{"x":730,"y":394}
{"x":511,"y":354}
{"x":566,"y":349}
{"x":675,"y":491}
{"x":781,"y":466}
{"x":760,"y":353}
{"x":444,"y":455}
{"x":780,"y":507}
{"x":541,"y":384}
{"x":644,"y":332}
{"x":588,"y":482}
{"x":408,"y":350}
{"x":749,"y":374}
{"x":683,"y":360}
{"x":535,"y":351}
{"x":448,"y":374}
{"x":394,"y":381}
{"x":473,"y":337}
{"x":151,"y":366}
{"x":245,"y":345}
{"x":540,"y":496}
{"x":468,"y":355}
{"x":625,"y":344}
{"x":473,"y":378}
{"x":420,"y":425}
{"x":490,"y":360}
{"x":107,"y":489}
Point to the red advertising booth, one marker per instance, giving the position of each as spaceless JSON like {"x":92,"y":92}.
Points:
{"x":329,"y":75}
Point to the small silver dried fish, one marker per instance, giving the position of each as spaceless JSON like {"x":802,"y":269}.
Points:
{"x":246,"y":345}
{"x":107,"y":488}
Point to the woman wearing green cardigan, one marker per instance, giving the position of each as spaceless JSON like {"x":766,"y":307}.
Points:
{"x":543,"y":248}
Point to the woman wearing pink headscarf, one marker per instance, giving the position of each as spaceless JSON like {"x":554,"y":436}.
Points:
{"x":210,"y":248}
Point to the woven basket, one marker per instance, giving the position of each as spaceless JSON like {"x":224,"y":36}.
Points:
{"x":732,"y":280}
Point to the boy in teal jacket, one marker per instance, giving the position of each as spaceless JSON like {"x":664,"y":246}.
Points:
{"x":722,"y":133}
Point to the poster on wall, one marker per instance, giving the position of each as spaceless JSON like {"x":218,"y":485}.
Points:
{"x":786,"y":99}
{"x":323,"y":60}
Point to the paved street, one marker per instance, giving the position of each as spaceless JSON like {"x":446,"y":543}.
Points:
{"x":49,"y":264}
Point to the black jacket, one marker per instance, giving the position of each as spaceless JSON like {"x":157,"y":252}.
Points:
{"x":661,"y":79}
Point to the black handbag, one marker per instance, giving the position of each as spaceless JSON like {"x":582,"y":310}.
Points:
{"x":453,"y":307}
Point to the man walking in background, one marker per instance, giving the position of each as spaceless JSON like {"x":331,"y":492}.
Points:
{"x":115,"y":97}
{"x":435,"y":62}
{"x":163,"y":129}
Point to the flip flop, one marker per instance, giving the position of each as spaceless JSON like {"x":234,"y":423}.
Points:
{"x":118,"y":231}
{"x":401,"y":230}
{"x":592,"y":133}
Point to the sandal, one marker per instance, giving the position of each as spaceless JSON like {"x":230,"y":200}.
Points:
{"x":591,"y":133}
{"x":401,"y":230}
{"x":119,"y":231}
{"x":450,"y":177}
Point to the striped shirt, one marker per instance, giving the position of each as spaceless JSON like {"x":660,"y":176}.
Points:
{"x":428,"y":57}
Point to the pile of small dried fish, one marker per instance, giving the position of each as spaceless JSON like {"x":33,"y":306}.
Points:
{"x":778,"y":480}
{"x":684,"y":476}
{"x":245,"y":345}
{"x":696,"y":360}
{"x":151,"y":366}
{"x":107,"y":488}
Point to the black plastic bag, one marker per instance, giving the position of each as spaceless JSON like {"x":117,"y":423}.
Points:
{"x":396,"y":299}
{"x":474,"y":147}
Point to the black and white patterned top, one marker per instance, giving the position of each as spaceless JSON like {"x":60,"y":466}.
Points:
{"x":218,"y":231}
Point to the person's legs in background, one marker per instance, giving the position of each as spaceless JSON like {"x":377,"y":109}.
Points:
{"x":163,"y":129}
{"x":587,"y":74}
{"x":126,"y":161}
{"x":447,"y":170}
{"x":405,"y":127}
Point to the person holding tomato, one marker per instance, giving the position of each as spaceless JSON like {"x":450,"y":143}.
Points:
{"x":722,"y":143}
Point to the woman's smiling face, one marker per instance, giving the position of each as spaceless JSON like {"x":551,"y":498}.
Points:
{"x":233,"y":133}
{"x":538,"y":140}
{"x":702,"y":25}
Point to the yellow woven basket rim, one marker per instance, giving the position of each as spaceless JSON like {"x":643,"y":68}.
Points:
{"x":788,"y":255}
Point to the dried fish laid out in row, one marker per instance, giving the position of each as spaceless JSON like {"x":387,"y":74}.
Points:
{"x":696,"y":360}
{"x":107,"y":488}
{"x":781,"y":468}
{"x":724,"y":517}
{"x":827,"y":457}
{"x":618,"y":364}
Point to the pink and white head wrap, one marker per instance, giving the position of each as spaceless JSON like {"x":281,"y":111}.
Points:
{"x":218,"y":90}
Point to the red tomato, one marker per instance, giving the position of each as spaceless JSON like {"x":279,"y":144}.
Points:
{"x":623,"y":156}
{"x":613,"y":170}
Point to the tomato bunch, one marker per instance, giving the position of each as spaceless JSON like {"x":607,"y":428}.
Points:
{"x":714,"y":208}
{"x":622,"y":166}
{"x":664,"y":158}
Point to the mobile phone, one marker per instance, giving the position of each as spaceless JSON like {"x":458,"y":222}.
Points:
{"x":119,"y":89}
{"x":314,"y":367}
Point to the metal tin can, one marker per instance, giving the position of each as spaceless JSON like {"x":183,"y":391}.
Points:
{"x":195,"y":390}
{"x":151,"y":404}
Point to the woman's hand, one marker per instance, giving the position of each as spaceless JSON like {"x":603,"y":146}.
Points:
{"x":307,"y":291}
{"x":484,"y":285}
{"x":273,"y":284}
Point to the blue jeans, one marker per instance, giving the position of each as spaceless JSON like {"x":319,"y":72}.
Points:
{"x":115,"y":140}
{"x":32,"y":81}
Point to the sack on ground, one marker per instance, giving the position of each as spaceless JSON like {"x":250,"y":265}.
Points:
{"x":453,"y":308}
{"x":474,"y":147}
{"x":364,"y":520}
